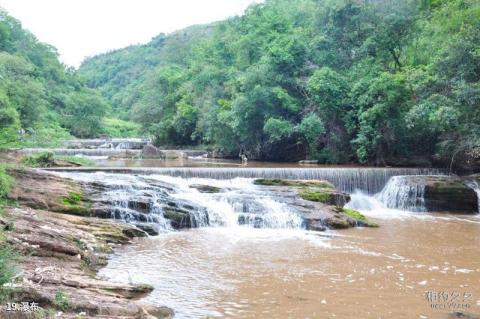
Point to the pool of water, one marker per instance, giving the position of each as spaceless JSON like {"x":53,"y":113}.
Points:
{"x":242,"y":272}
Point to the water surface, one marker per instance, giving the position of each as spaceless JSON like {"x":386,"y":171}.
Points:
{"x":242,"y":272}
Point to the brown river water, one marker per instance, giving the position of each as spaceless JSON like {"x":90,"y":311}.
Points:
{"x":413,"y":266}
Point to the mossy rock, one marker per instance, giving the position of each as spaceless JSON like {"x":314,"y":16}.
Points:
{"x":293,"y":183}
{"x":73,"y":198}
{"x":317,"y":195}
{"x":326,"y":196}
{"x":74,"y":204}
{"x":358,"y":217}
{"x":206,"y":189}
{"x":178,"y":217}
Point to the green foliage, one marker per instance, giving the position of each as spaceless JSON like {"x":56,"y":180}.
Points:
{"x":83,"y":161}
{"x":8,"y":257}
{"x":8,"y":268}
{"x":44,"y":159}
{"x":38,"y":94}
{"x":73,"y":198}
{"x":5,"y":183}
{"x":62,"y":301}
{"x":347,"y":81}
{"x":114,"y":127}
{"x":84,"y":112}
{"x":278,"y":129}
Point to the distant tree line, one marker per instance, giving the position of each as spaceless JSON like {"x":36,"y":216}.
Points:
{"x":39,"y":96}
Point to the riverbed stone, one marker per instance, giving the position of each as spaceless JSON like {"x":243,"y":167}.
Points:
{"x":450,"y":194}
{"x":324,"y":195}
{"x":64,"y":252}
{"x":293,"y":183}
{"x":206,"y":188}
{"x":150,"y":151}
{"x":446,"y":194}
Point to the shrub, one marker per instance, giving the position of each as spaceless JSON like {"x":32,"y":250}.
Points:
{"x":45,"y":159}
{"x":61,"y":300}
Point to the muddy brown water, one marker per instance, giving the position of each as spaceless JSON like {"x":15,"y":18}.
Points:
{"x":413,"y":266}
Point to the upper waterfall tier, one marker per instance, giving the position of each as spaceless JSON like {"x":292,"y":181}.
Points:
{"x":346,"y":179}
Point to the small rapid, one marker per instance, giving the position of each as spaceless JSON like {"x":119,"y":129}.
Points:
{"x":148,"y":199}
{"x":401,"y":193}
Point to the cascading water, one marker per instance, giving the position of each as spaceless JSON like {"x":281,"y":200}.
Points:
{"x":400,"y":194}
{"x":156,"y":199}
{"x":346,"y":179}
{"x":473,"y":184}
{"x":405,"y":193}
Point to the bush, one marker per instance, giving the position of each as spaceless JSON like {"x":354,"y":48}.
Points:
{"x":61,"y":300}
{"x":118,"y":128}
{"x":5,"y":183}
{"x":45,"y":159}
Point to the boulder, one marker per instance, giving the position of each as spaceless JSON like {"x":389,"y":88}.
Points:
{"x":325,"y":195}
{"x":149,"y":228}
{"x":206,"y":188}
{"x":449,"y":194}
{"x":150,"y":151}
{"x":334,"y":217}
{"x":293,"y":183}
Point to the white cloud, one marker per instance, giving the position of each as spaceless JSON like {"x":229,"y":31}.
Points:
{"x":81,"y":28}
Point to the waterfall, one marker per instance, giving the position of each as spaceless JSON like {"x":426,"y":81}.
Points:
{"x":84,"y":151}
{"x":143,"y":200}
{"x":346,"y":179}
{"x":118,"y":143}
{"x":405,"y":193}
{"x":473,"y":184}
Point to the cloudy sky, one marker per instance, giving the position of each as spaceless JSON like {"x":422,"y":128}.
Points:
{"x":81,"y":28}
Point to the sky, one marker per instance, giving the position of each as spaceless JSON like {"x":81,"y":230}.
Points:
{"x":82,"y":28}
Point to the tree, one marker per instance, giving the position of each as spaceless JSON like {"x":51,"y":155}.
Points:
{"x":84,"y":112}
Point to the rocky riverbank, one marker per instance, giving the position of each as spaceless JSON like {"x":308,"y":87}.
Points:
{"x":61,"y":252}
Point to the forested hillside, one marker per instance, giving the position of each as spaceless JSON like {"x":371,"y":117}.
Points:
{"x":41,"y":101}
{"x":344,"y":81}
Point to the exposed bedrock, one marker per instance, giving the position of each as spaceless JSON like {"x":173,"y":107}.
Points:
{"x":450,"y":194}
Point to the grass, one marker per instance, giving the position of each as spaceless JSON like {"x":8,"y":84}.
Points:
{"x":74,"y":204}
{"x":73,"y":198}
{"x":76,"y":159}
{"x":44,"y":159}
{"x":61,"y":302}
{"x":47,"y":159}
{"x":5,"y":182}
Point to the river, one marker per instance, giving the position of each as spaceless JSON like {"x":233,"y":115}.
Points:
{"x":415,"y":265}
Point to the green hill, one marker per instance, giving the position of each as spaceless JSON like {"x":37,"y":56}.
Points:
{"x":41,"y":101}
{"x":379,"y":82}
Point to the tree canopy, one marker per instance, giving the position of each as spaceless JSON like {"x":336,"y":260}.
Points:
{"x":344,"y":81}
{"x":38,"y":94}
